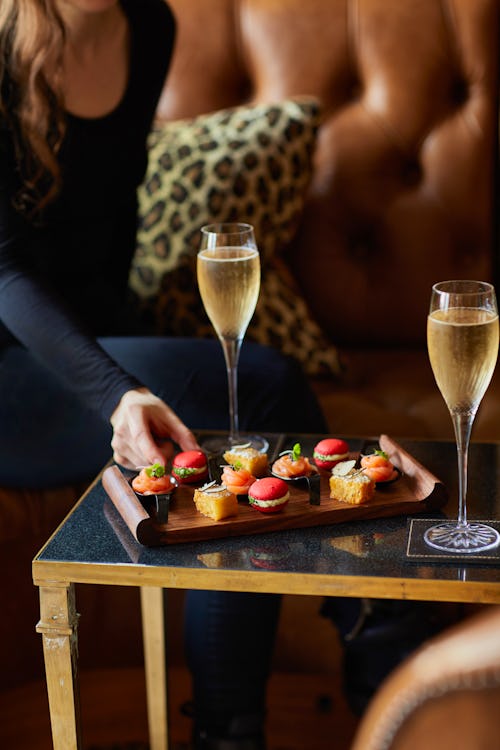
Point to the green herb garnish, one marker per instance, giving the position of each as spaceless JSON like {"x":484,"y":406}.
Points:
{"x":156,"y":470}
{"x":294,"y":454}
{"x":183,"y":472}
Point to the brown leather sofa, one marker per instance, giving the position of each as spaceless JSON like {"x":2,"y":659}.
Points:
{"x":405,"y":173}
{"x":446,"y":695}
{"x":403,"y":194}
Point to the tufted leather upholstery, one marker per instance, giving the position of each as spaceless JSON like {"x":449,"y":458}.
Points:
{"x":445,"y":696}
{"x":405,"y":171}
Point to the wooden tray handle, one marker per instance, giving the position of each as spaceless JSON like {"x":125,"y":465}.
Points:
{"x":124,"y":499}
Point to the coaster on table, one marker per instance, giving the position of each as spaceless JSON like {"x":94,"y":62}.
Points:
{"x":419,"y":551}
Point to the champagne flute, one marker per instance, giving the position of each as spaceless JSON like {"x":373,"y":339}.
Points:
{"x":228,"y":269}
{"x":462,"y":341}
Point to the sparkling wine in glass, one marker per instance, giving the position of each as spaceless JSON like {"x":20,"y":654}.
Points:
{"x":228,"y":269}
{"x":462,"y":341}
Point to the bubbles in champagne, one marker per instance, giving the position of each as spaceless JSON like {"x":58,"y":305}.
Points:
{"x":463,"y":348}
{"x":229,"y":283}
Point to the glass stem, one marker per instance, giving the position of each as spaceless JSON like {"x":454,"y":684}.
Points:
{"x":462,"y":425}
{"x":231,"y":349}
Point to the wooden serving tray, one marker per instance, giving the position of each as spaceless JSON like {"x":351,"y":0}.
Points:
{"x":415,"y":491}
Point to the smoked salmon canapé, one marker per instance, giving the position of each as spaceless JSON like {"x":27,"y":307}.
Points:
{"x":292,"y":464}
{"x":190,"y":467}
{"x":378,"y":467}
{"x":153,"y":480}
{"x":237,"y":479}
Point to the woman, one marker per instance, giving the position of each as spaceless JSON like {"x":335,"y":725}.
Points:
{"x":80,"y":81}
{"x":78,"y":97}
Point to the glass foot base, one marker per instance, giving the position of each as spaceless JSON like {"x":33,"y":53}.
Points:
{"x":221,"y":443}
{"x":471,"y":537}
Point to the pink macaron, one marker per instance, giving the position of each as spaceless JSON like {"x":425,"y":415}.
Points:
{"x":190,"y":466}
{"x":269,"y":495}
{"x":329,"y":452}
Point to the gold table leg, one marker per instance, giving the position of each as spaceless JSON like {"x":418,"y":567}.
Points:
{"x":153,"y":633}
{"x":58,"y":626}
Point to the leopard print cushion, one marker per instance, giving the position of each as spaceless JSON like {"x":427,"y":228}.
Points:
{"x":251,"y":164}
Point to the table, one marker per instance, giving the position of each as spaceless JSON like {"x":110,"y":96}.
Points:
{"x":360,"y":559}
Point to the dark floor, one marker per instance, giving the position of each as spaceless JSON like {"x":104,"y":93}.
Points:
{"x":306,"y":712}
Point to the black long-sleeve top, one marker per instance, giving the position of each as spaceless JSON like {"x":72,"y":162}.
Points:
{"x":64,"y":281}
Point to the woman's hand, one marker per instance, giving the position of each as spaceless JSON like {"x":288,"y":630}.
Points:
{"x":143,"y":428}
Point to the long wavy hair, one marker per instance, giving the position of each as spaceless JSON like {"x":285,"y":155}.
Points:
{"x":32,"y":39}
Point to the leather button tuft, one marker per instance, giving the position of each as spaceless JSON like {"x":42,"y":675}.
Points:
{"x":355,"y":91}
{"x":361,"y":250}
{"x":459,"y":92}
{"x":412,"y":173}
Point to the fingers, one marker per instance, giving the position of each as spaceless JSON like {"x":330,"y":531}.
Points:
{"x":149,"y":450}
{"x":144,"y":428}
{"x":124,"y":461}
{"x":143,"y":449}
{"x":160,"y":454}
{"x":185,"y":438}
{"x":175,"y":428}
{"x":136,"y":460}
{"x":140,"y":449}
